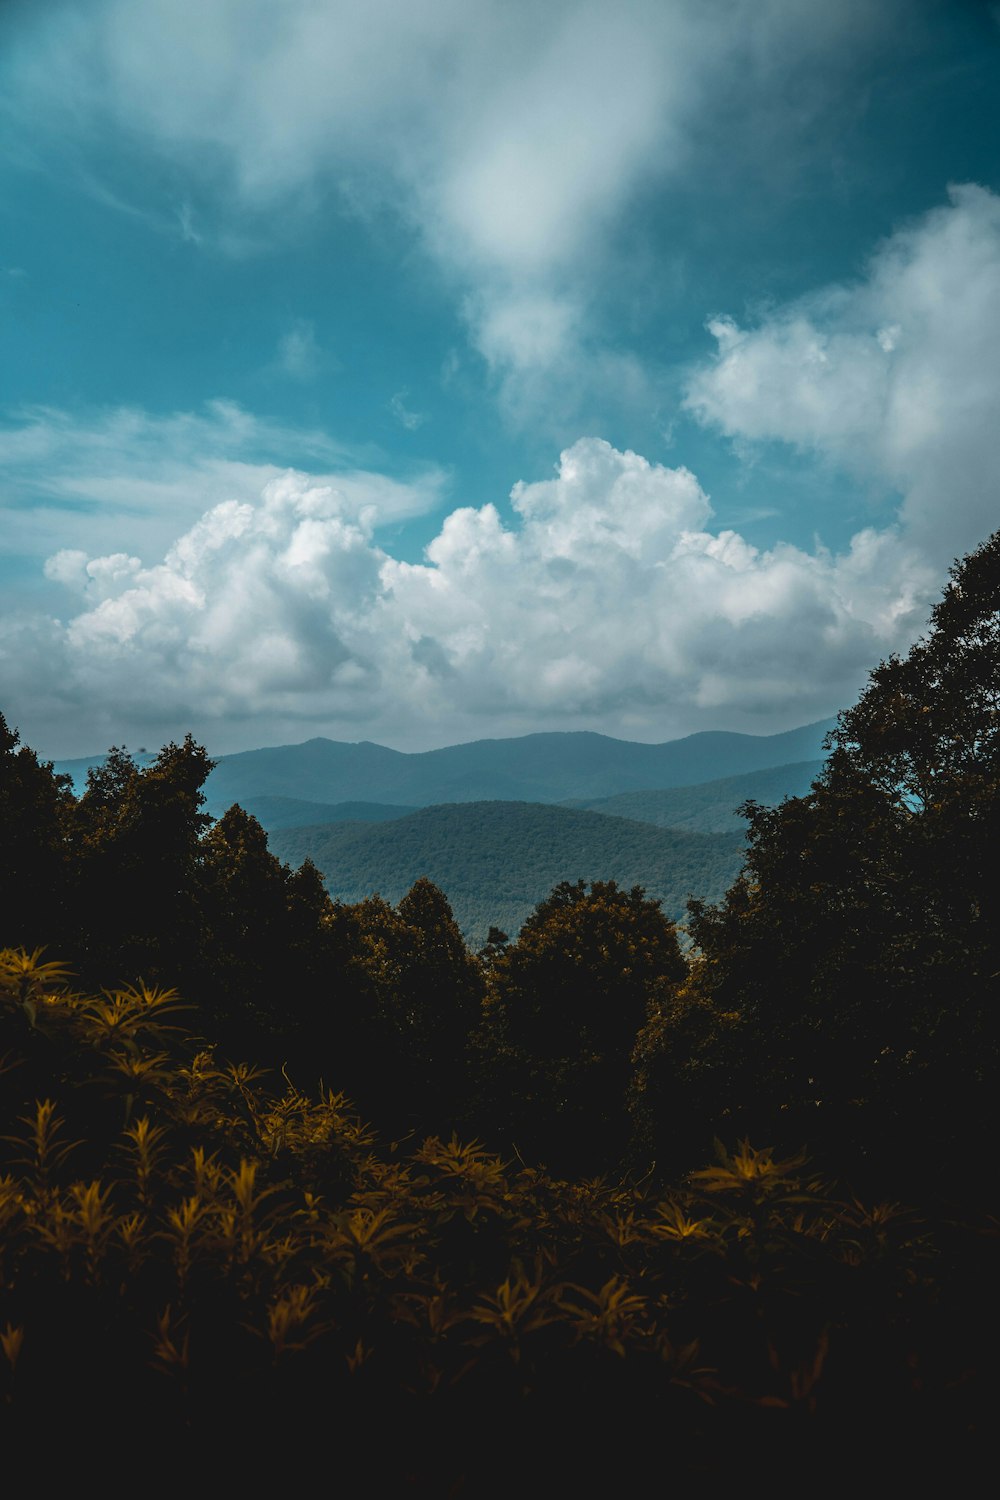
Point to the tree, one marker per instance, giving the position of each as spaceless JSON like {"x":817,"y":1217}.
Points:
{"x":282,"y":963}
{"x":138,"y":835}
{"x":424,"y":990}
{"x":859,"y":951}
{"x":566,"y":1002}
{"x":246,"y":979}
{"x":36,"y":809}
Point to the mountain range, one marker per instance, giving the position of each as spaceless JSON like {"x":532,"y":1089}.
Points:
{"x":497,"y":823}
{"x":553,"y":767}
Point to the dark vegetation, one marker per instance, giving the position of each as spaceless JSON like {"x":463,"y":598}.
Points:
{"x":497,"y":860}
{"x":521,"y":1277}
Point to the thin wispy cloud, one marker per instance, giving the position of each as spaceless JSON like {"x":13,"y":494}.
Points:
{"x":126,"y":476}
{"x":511,"y":138}
{"x":405,"y":416}
{"x":299,"y":354}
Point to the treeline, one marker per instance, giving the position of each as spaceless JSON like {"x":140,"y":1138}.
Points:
{"x":524,"y":1043}
{"x":841,"y":998}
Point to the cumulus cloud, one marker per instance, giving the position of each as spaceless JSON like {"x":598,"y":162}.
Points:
{"x":895,"y":378}
{"x":607,"y":602}
{"x":510,"y":137}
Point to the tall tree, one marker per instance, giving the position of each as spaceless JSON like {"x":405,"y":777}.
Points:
{"x":857,"y":956}
{"x":425,"y":989}
{"x":565,"y":1005}
{"x":36,"y":811}
{"x":139,"y":837}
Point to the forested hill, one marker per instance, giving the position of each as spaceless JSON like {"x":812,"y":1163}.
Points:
{"x":709,"y":806}
{"x":292,"y":812}
{"x":497,"y":860}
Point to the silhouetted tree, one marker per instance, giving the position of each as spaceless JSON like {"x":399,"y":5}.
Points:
{"x":856,"y":959}
{"x":36,"y":810}
{"x":247,"y":980}
{"x":425,"y":990}
{"x":138,"y":835}
{"x":566,"y":1002}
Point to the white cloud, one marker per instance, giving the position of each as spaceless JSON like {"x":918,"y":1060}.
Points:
{"x":125,"y":477}
{"x":510,"y":136}
{"x":895,"y":378}
{"x":609,"y":603}
{"x":527,"y":331}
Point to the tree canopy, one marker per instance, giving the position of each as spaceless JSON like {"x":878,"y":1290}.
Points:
{"x":852,"y":968}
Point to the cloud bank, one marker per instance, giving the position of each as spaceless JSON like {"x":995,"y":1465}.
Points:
{"x":608,"y":601}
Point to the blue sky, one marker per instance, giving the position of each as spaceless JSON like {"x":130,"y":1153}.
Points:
{"x":425,"y":372}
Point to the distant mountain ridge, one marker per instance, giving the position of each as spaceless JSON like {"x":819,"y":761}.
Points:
{"x":552,"y":767}
{"x":292,"y":812}
{"x":596,"y":808}
{"x":708,"y":806}
{"x":530,"y":768}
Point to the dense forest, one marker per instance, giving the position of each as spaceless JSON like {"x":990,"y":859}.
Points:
{"x":282,"y":1175}
{"x":498,"y":860}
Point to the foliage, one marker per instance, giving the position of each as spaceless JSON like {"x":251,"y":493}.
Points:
{"x":136,"y":845}
{"x":565,"y":1003}
{"x":848,"y":980}
{"x":189,"y":1254}
{"x":35,"y":810}
{"x":423,"y":990}
{"x":497,"y":860}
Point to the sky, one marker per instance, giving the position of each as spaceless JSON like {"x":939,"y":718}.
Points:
{"x":422,"y":373}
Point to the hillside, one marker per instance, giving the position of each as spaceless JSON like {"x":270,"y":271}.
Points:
{"x":710,"y":806}
{"x":292,"y":812}
{"x":496,"y":860}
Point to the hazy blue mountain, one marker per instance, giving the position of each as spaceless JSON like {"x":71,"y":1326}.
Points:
{"x":496,"y":860}
{"x":531,"y":768}
{"x":557,"y":767}
{"x":709,"y":806}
